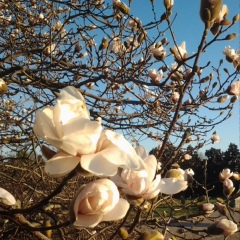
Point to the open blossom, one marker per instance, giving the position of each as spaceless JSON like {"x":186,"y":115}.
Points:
{"x":7,"y":197}
{"x":155,"y":75}
{"x":96,"y":202}
{"x":158,"y":52}
{"x":215,"y":138}
{"x":232,"y":56}
{"x":223,"y":226}
{"x":179,"y":52}
{"x":144,"y":184}
{"x":80,"y":141}
{"x":225,"y":174}
{"x":234,"y":88}
{"x":175,"y":96}
{"x":187,"y":157}
{"x":67,"y":126}
{"x":112,"y":151}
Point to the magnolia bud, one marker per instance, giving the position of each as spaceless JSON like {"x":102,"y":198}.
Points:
{"x":225,"y":22}
{"x":210,"y":9}
{"x":3,"y":86}
{"x":104,"y":44}
{"x":151,"y":235}
{"x":123,"y":233}
{"x":231,"y":36}
{"x":234,"y":99}
{"x":236,"y":18}
{"x":223,"y":98}
{"x":174,"y":173}
{"x":122,"y":7}
{"x":168,"y":4}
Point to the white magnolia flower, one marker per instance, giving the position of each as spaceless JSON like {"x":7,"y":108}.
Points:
{"x":96,"y":202}
{"x":232,"y":56}
{"x":155,"y":75}
{"x":179,"y":52}
{"x":225,"y":174}
{"x":226,"y":226}
{"x":145,"y":183}
{"x":112,"y":151}
{"x":158,"y":52}
{"x":67,"y":125}
{"x":215,"y":138}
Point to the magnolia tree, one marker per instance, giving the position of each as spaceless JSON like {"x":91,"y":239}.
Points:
{"x":82,"y":82}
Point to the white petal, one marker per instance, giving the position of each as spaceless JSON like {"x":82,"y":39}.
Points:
{"x":141,"y":152}
{"x":107,"y":161}
{"x":119,"y":141}
{"x":98,"y":164}
{"x":8,"y":196}
{"x":172,"y":185}
{"x":118,"y":212}
{"x":151,"y":167}
{"x":83,"y":134}
{"x":71,"y":93}
{"x":61,"y":164}
{"x":87,"y":221}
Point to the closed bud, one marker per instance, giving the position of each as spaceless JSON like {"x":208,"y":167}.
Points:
{"x":214,"y":29}
{"x":3,"y":86}
{"x":209,"y":10}
{"x":122,"y":7}
{"x":234,"y":99}
{"x":225,"y":22}
{"x":151,"y":235}
{"x":123,"y":233}
{"x":223,"y":98}
{"x":236,"y":18}
{"x":168,"y":4}
{"x":205,"y":79}
{"x":164,"y":41}
{"x":220,"y":200}
{"x":231,"y":36}
{"x":77,"y":48}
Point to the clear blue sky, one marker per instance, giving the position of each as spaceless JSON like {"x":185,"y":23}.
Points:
{"x":188,"y":27}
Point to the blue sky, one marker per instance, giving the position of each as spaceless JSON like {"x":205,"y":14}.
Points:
{"x":188,"y":27}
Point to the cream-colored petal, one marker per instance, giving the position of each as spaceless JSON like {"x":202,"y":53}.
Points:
{"x":154,"y":188}
{"x":61,"y":164}
{"x":83,"y":134}
{"x":141,"y":151}
{"x":71,"y":92}
{"x":87,"y":221}
{"x":172,"y":185}
{"x":151,"y":167}
{"x":106,"y":162}
{"x":4,"y":194}
{"x":129,"y":152}
{"x":118,"y":212}
{"x":98,"y":164}
{"x":43,"y":125}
